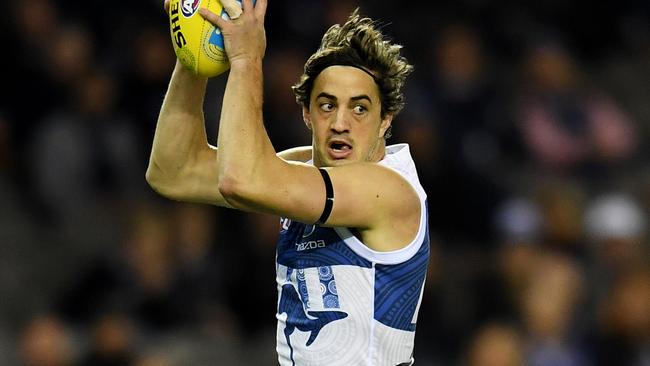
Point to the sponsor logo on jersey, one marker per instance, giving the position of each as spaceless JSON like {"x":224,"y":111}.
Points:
{"x":311,"y":244}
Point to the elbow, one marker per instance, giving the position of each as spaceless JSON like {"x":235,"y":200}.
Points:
{"x":152,"y":176}
{"x":159,"y":182}
{"x":247,"y":188}
{"x":234,"y":191}
{"x":229,"y":187}
{"x":154,"y":179}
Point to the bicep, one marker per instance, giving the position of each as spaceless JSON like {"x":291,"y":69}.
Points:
{"x":367,"y":195}
{"x":364,"y":194}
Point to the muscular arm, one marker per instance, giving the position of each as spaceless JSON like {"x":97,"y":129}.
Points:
{"x":251,"y":175}
{"x":182,"y":165}
{"x":180,"y":161}
{"x":369,"y":197}
{"x":246,"y":173}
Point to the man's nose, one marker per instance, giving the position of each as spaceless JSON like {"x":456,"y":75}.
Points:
{"x":341,"y":122}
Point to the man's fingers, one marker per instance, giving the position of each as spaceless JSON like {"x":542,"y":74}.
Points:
{"x":247,"y":5}
{"x":213,"y":18}
{"x":166,"y":6}
{"x":232,"y":8}
{"x":260,"y":8}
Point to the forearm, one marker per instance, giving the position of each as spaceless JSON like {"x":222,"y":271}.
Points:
{"x":245,"y":150}
{"x":180,"y":137}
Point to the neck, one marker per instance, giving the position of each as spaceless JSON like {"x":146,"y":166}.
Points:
{"x":378,"y":151}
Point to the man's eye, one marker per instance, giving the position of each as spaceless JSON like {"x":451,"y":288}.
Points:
{"x":327,"y":107}
{"x":359,"y":109}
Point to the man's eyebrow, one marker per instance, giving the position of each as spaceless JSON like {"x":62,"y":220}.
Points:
{"x":326,"y":95}
{"x":360,"y":97}
{"x":354,"y":99}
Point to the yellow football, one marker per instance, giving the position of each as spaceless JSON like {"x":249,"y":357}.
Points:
{"x":197,"y":43}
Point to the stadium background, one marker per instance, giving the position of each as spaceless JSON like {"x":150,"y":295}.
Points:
{"x":528,"y":122}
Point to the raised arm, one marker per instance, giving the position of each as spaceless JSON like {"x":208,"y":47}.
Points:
{"x":182,"y":165}
{"x":369,"y":197}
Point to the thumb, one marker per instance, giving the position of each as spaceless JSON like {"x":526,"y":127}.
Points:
{"x":232,"y":7}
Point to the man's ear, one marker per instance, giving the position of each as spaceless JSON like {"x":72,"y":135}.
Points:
{"x":306,"y":117}
{"x":385,"y":124}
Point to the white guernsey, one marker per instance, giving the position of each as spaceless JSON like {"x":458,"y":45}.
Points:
{"x":341,"y":303}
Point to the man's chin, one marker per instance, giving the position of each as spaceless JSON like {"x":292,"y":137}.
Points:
{"x":338,"y":162}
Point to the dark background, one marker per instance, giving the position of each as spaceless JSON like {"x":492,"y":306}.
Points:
{"x":527,"y":121}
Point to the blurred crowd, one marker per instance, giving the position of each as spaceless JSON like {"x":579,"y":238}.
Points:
{"x":527,"y":121}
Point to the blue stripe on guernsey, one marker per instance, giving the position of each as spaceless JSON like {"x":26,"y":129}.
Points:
{"x":398,"y":288}
{"x":328,"y":288}
{"x":302,"y":287}
{"x":298,"y":249}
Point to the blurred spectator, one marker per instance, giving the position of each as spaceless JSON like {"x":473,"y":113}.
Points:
{"x":70,"y":55}
{"x":29,"y":92}
{"x":496,"y":345}
{"x":561,"y":203}
{"x":519,"y":220}
{"x":112,"y":342}
{"x":463,"y":97}
{"x":567,"y":124}
{"x":203,"y":275}
{"x":623,"y":333}
{"x":520,"y":227}
{"x":137,"y":280}
{"x":84,"y":157}
{"x":548,"y":308}
{"x":46,"y":341}
{"x":148,"y":61}
{"x":616,"y":227}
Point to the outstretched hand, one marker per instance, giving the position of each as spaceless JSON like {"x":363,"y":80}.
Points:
{"x":244,"y":37}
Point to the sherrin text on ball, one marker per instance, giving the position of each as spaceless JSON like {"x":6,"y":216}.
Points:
{"x":198,"y":44}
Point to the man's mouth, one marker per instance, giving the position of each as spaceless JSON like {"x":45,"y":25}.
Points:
{"x":338,"y":149}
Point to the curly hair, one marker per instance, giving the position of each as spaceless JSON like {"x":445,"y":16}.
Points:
{"x":359,"y":43}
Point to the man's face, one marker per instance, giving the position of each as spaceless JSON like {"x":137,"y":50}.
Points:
{"x":345,"y":117}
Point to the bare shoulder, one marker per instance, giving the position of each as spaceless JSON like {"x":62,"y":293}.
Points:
{"x":380,"y":203}
{"x":297,"y":154}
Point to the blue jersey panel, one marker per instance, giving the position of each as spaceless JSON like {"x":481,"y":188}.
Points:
{"x":307,"y":246}
{"x":398,"y":288}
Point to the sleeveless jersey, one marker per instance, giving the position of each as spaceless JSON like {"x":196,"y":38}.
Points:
{"x":342,"y":303}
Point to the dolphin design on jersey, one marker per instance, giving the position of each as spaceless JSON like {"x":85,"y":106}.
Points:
{"x":310,"y":321}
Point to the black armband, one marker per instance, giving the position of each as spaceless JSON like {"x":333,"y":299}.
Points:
{"x":329,"y":197}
